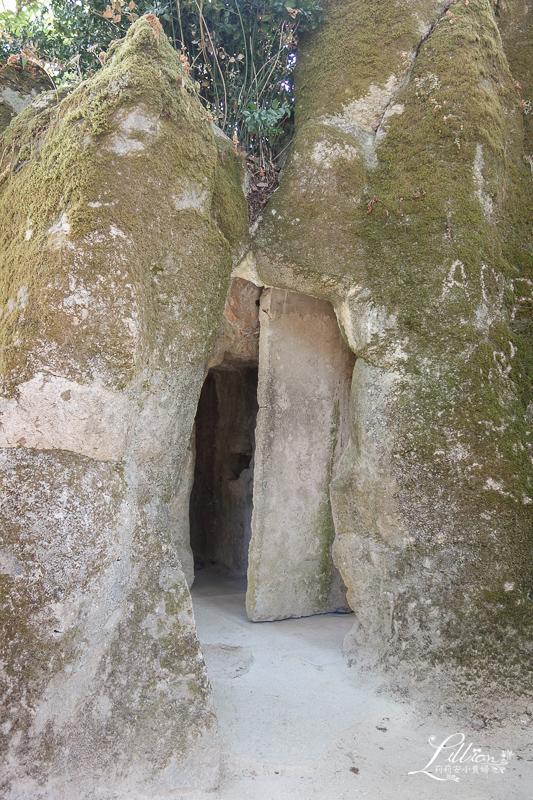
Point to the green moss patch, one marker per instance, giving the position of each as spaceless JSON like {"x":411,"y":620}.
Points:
{"x":439,"y":234}
{"x":89,"y":203}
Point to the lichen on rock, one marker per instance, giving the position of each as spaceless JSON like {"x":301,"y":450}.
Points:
{"x":117,"y":253}
{"x":414,"y":224}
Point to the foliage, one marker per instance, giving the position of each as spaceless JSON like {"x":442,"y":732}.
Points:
{"x":242,"y":53}
{"x":67,"y":34}
{"x":263,"y":123}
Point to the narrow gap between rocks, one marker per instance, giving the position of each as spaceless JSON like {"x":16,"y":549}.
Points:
{"x":221,"y":498}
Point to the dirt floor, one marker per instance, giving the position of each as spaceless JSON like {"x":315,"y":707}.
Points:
{"x":297,"y":723}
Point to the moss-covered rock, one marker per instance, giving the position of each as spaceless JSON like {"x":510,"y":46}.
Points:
{"x":116,"y":253}
{"x":407,"y":202}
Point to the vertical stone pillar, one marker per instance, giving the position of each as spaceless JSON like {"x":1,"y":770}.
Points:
{"x":304,"y":383}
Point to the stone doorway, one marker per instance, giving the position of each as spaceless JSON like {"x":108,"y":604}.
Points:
{"x":271,"y":425}
{"x":221,"y":497}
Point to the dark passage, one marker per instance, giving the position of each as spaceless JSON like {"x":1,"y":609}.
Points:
{"x":221,"y":497}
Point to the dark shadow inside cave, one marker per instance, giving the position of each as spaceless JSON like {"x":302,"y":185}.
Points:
{"x":222,"y":494}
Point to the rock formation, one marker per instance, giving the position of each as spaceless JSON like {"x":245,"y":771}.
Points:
{"x":406,"y":202}
{"x":122,"y":216}
{"x":398,"y":246}
{"x":305,"y":371}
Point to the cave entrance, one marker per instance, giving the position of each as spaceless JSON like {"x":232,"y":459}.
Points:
{"x":221,"y":498}
{"x":271,"y":426}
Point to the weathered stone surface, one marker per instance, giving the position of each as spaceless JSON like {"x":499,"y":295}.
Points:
{"x":237,"y":340}
{"x":116,"y":259}
{"x":406,"y":201}
{"x":41,"y":418}
{"x":304,"y":385}
{"x":179,"y":513}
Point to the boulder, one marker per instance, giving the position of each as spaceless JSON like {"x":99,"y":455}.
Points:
{"x":122,"y":217}
{"x":406,"y":202}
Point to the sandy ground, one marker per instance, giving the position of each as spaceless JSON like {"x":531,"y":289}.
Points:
{"x":297,"y":723}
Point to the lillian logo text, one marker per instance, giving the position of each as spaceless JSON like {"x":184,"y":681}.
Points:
{"x":454,"y":757}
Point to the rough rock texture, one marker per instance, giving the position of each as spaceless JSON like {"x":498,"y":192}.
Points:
{"x":305,"y":371}
{"x":237,"y":341}
{"x":406,"y":201}
{"x":179,"y":513}
{"x":120,"y":226}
